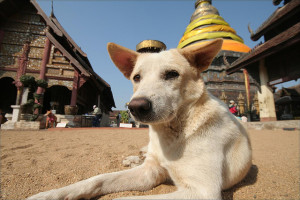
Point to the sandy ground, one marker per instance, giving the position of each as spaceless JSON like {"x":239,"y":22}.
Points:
{"x":36,"y":161}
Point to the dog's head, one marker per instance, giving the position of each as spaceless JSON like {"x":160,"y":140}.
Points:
{"x":164,"y":82}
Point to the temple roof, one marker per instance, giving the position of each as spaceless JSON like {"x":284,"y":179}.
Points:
{"x":62,"y":40}
{"x":277,"y":18}
{"x":281,"y":31}
{"x":206,"y":24}
{"x":56,"y":34}
{"x":276,"y":44}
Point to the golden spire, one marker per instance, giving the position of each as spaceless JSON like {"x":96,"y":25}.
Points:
{"x":204,"y":8}
{"x":207,"y":24}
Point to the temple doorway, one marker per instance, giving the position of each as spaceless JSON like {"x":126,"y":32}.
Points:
{"x":55,"y":98}
{"x":8,"y":93}
{"x":87,"y":97}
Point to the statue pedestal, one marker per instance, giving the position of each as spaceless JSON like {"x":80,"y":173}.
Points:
{"x":16,"y":124}
{"x":16,"y":113}
{"x":15,"y":118}
{"x":9,"y":125}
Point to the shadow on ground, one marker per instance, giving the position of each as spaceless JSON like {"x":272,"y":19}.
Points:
{"x":250,"y":179}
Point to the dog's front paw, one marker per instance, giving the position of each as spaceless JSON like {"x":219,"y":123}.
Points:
{"x":51,"y":195}
{"x":45,"y":196}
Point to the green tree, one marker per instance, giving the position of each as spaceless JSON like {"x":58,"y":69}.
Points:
{"x":124,"y":116}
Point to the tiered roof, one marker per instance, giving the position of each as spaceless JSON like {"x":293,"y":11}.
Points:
{"x":206,"y":24}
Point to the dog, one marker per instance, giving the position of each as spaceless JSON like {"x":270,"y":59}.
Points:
{"x":51,"y":119}
{"x":194,"y":140}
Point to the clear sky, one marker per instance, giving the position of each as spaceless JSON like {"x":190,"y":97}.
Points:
{"x":94,"y":23}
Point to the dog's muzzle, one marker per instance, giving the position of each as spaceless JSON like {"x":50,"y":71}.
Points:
{"x":140,"y":108}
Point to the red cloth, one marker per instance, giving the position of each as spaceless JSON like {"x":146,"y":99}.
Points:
{"x":51,"y":118}
{"x":233,"y":110}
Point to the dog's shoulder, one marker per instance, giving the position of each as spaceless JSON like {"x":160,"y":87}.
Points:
{"x":213,"y":116}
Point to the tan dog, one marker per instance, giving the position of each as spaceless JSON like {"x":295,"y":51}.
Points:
{"x":194,"y":140}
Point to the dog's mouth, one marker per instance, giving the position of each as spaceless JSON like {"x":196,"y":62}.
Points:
{"x":142,"y":111}
{"x":152,"y":118}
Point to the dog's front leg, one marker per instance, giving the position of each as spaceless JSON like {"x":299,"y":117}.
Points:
{"x":179,"y":194}
{"x":143,"y":177}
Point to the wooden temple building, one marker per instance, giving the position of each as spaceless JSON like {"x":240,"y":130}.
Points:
{"x":277,"y":59}
{"x":206,"y":24}
{"x":34,"y":44}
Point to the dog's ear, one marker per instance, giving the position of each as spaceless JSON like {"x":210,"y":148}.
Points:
{"x":123,"y":58}
{"x":201,"y":56}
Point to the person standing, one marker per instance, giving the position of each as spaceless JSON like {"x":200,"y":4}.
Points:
{"x":97,"y":117}
{"x":118,"y":119}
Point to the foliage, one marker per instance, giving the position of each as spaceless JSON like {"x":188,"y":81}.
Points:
{"x":32,"y":84}
{"x":42,"y":83}
{"x":29,"y":102}
{"x":27,"y":80}
{"x":124,"y":116}
{"x":36,"y":106}
{"x":37,"y":96}
{"x":34,"y":117}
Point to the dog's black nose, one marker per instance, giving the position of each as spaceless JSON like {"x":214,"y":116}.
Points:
{"x":139,"y":107}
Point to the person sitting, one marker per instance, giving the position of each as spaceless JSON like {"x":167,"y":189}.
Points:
{"x":98,"y":115}
{"x":51,"y":119}
{"x":244,"y":118}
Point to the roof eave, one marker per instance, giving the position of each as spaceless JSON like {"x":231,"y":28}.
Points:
{"x":278,"y":16}
{"x":277,"y":43}
{"x":68,"y":37}
{"x":45,"y":18}
{"x":67,"y":54}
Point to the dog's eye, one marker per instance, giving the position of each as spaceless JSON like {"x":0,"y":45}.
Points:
{"x":171,"y":75}
{"x":137,"y":78}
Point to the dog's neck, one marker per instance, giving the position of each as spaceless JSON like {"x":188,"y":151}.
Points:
{"x":188,"y":119}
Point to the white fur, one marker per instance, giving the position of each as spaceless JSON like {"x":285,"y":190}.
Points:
{"x":194,"y":140}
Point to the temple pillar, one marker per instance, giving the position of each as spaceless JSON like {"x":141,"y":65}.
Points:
{"x":247,"y":87}
{"x":1,"y":36}
{"x":23,"y":60}
{"x":45,"y":60}
{"x":72,"y":108}
{"x":265,"y":96}
{"x":99,"y":101}
{"x":75,"y":88}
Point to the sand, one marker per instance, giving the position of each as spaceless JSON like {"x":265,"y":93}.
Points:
{"x":36,"y":161}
